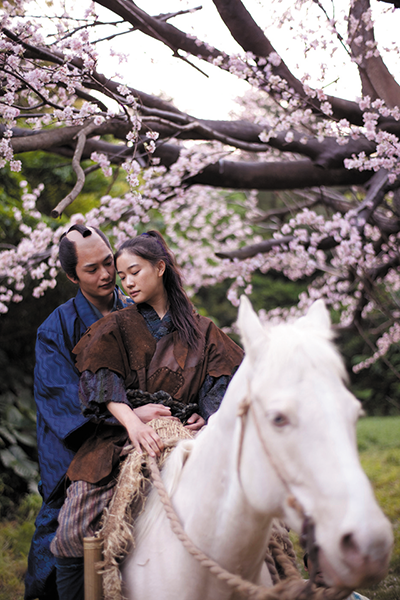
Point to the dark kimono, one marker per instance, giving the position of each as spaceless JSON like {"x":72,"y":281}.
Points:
{"x":61,"y":427}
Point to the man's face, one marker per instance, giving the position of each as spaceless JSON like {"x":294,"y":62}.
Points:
{"x":95,"y":267}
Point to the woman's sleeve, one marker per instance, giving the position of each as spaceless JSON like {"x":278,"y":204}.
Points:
{"x":96,"y":390}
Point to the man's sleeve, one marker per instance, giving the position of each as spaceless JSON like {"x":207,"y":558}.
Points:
{"x":56,"y":385}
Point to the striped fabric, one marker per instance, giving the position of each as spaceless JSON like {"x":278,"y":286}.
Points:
{"x":80,"y":516}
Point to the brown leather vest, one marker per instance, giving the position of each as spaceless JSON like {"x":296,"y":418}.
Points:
{"x":122,"y":343}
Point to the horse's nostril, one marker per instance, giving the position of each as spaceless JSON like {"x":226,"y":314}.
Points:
{"x":349,"y":545}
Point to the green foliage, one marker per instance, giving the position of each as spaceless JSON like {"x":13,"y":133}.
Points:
{"x":59,"y":178}
{"x":18,"y":452}
{"x":15,"y":540}
{"x":10,"y":198}
{"x":378,"y":388}
{"x":272,"y":290}
{"x":269,"y":291}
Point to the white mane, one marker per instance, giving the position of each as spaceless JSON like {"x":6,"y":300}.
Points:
{"x":309,"y":346}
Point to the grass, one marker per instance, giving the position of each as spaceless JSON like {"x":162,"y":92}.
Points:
{"x":378,"y":441}
{"x":379,"y":447}
{"x":15,"y":540}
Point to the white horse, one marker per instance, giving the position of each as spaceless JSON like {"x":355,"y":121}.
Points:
{"x":295,"y":448}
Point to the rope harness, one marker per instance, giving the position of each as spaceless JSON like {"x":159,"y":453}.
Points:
{"x":280,"y":559}
{"x":293,"y":586}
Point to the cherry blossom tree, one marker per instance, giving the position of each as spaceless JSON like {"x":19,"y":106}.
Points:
{"x":331,"y":164}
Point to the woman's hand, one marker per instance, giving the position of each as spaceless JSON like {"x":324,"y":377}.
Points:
{"x":141,"y":435}
{"x":195,"y":422}
{"x":144,"y":437}
{"x":148,"y":412}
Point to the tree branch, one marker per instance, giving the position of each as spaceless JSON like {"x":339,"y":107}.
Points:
{"x":158,"y":29}
{"x":80,"y":175}
{"x":377,"y":81}
{"x":274,"y":175}
{"x":254,"y":249}
{"x":377,"y":188}
{"x":251,"y":38}
{"x":178,"y":40}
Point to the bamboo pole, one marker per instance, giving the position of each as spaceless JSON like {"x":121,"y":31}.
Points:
{"x":92,"y":554}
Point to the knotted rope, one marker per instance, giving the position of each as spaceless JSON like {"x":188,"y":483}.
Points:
{"x":292,"y":588}
{"x":117,"y":526}
{"x":118,"y":532}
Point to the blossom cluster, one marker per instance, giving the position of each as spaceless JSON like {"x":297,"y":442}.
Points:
{"x":36,"y":254}
{"x":53,"y":90}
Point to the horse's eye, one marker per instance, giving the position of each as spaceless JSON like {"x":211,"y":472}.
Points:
{"x":280,"y":420}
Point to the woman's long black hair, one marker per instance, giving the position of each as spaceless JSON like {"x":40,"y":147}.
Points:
{"x":151,"y":246}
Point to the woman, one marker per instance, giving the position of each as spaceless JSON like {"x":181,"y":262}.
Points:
{"x":158,"y":348}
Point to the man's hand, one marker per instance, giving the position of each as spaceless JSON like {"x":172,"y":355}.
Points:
{"x":148,"y":412}
{"x":195,"y":422}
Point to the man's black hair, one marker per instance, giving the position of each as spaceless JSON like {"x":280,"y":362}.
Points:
{"x":67,"y":249}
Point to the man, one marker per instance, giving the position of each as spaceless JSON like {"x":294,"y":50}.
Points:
{"x":87,"y":259}
{"x":319,"y":578}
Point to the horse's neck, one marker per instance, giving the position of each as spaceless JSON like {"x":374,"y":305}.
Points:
{"x":210,"y":498}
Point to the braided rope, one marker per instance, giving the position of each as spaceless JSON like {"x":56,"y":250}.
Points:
{"x":270,"y":562}
{"x":282,"y":552}
{"x":292,"y":588}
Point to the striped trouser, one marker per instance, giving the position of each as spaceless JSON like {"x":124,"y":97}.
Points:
{"x":80,"y":516}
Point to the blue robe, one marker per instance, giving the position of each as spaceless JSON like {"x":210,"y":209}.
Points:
{"x":61,"y":427}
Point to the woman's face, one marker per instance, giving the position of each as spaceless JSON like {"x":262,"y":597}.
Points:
{"x":140,"y":279}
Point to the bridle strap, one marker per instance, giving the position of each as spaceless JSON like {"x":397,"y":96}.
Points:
{"x":243,"y":411}
{"x":292,"y":587}
{"x":307,"y":539}
{"x":244,"y":408}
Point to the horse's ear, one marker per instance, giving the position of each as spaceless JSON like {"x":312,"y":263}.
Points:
{"x":318,"y":316}
{"x":250,"y":327}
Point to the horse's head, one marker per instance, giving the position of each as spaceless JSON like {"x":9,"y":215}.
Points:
{"x":304,"y":419}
